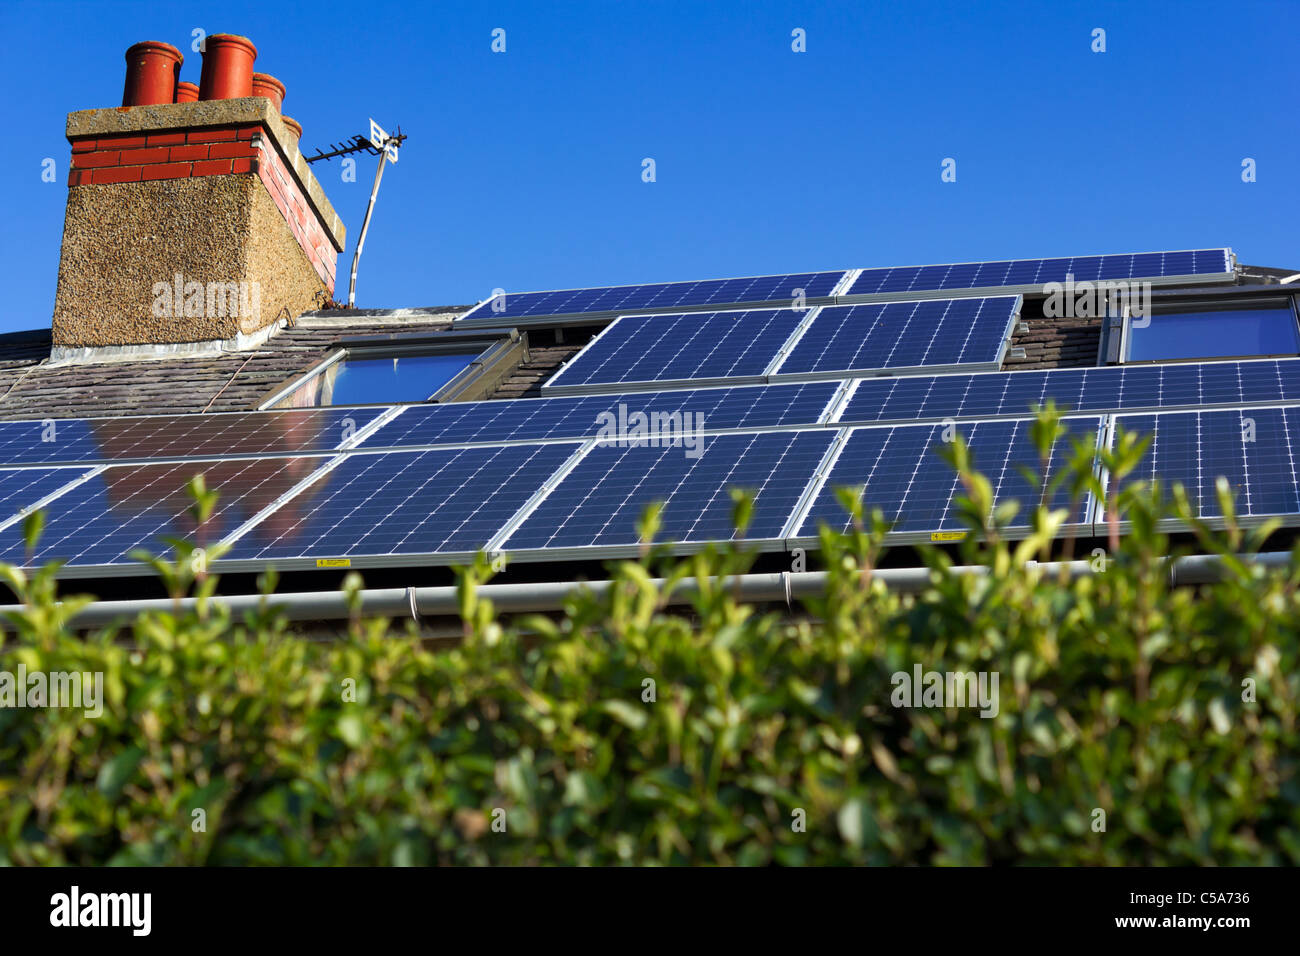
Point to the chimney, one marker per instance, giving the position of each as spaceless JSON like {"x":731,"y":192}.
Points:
{"x":190,"y":224}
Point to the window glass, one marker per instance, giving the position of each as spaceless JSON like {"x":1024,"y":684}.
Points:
{"x":388,"y":380}
{"x":1215,"y":332}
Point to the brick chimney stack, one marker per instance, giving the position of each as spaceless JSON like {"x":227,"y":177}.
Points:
{"x":189,"y":224}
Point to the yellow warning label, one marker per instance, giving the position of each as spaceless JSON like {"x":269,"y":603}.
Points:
{"x":948,"y":536}
{"x":333,"y":562}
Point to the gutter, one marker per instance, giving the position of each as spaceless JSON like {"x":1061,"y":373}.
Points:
{"x":419,"y":603}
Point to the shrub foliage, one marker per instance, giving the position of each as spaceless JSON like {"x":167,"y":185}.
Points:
{"x":1137,"y":724}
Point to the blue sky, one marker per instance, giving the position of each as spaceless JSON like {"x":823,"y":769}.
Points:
{"x":524,"y":168}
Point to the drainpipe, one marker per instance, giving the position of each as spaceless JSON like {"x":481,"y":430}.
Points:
{"x":420,"y":603}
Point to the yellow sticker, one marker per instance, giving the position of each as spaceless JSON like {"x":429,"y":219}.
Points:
{"x":948,"y":536}
{"x":333,"y":562}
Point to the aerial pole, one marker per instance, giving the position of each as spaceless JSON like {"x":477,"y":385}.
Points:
{"x":378,"y":144}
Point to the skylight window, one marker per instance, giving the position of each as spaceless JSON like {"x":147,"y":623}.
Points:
{"x":405,"y":369}
{"x":395,"y":380}
{"x":1214,"y":329}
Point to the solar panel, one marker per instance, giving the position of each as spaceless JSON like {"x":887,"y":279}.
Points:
{"x":1030,"y":275}
{"x":599,"y":503}
{"x":519,"y":307}
{"x":403,"y":504}
{"x":901,"y":473}
{"x":693,"y":346}
{"x":1254,"y":448}
{"x":534,"y":419}
{"x":95,"y":440}
{"x":21,"y":488}
{"x":124,"y":507}
{"x":899,"y":336}
{"x":1110,"y":388}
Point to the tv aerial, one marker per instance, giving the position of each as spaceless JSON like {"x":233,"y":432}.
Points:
{"x":380,"y":144}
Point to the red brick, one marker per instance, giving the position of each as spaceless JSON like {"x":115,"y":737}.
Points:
{"x":248,"y":132}
{"x":188,"y":153}
{"x":166,"y":171}
{"x":76,"y":177}
{"x":244,"y":165}
{"x":120,"y":142}
{"x":142,"y":157}
{"x":116,"y":174}
{"x":211,"y":136}
{"x":166,"y":139}
{"x":228,"y":150}
{"x":212,"y":167}
{"x":83,"y":146}
{"x":93,"y":160}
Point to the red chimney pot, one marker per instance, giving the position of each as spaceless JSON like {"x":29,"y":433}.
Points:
{"x":187,"y":92}
{"x":264,"y":84}
{"x":295,"y":128}
{"x":151,"y":72}
{"x":227,"y":67}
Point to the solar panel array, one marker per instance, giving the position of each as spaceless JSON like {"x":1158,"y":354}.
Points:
{"x":1028,"y":274}
{"x":904,"y":282}
{"x":568,"y":477}
{"x":511,"y":308}
{"x":746,"y":406}
{"x":1108,"y":388}
{"x":696,"y":348}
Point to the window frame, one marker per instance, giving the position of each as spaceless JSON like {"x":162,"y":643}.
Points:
{"x":488,"y":349}
{"x":1260,"y":297}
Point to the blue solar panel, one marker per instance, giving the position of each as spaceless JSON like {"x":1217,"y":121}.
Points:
{"x":1020,"y":273}
{"x":124,"y":507}
{"x":405,"y":503}
{"x":600,"y":502}
{"x":656,"y":297}
{"x":20,"y":488}
{"x":1254,"y":448}
{"x":901,"y":335}
{"x":94,"y":440}
{"x":531,"y":419}
{"x":901,"y":473}
{"x":679,"y":347}
{"x":1110,"y":388}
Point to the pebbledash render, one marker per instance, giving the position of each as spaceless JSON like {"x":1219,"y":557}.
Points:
{"x":205,"y":192}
